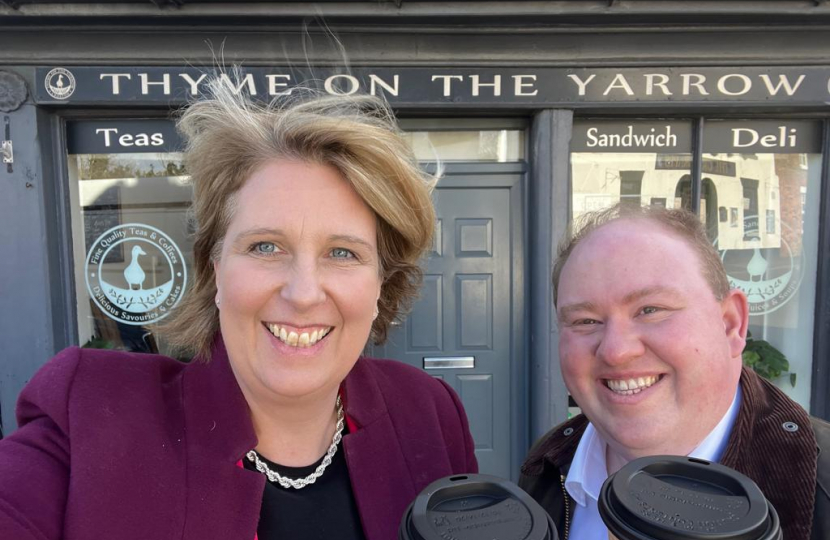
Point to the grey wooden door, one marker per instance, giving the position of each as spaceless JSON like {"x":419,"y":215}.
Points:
{"x":466,"y":327}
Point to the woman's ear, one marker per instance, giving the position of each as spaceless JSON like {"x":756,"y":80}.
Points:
{"x":735,"y":309}
{"x":377,"y":302}
{"x":217,"y":298}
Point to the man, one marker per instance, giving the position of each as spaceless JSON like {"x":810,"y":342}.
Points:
{"x":650,"y":346}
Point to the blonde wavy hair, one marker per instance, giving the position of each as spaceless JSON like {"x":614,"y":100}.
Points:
{"x":229,"y":136}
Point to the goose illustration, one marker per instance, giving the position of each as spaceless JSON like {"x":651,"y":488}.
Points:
{"x":757,"y":266}
{"x":133,"y":273}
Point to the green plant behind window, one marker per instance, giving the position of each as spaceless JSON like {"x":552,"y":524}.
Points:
{"x":766,"y":360}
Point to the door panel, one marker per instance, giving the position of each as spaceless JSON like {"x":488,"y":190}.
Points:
{"x":461,"y":326}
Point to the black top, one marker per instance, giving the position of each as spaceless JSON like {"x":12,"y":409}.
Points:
{"x":324,"y":510}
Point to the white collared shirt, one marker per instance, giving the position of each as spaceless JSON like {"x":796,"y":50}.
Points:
{"x":588,"y":471}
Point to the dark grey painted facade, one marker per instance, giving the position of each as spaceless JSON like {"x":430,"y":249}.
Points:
{"x":37,"y":314}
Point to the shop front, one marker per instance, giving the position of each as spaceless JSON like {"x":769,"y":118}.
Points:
{"x":97,"y":242}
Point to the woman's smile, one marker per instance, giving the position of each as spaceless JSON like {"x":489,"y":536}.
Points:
{"x":298,"y":337}
{"x":292,"y":346}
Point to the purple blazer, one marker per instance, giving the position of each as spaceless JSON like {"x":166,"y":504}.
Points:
{"x":121,"y":446}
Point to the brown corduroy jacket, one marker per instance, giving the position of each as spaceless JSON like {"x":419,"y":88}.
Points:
{"x":792,"y":467}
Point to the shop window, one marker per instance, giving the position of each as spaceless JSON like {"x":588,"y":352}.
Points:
{"x":769,"y":248}
{"x":750,"y":202}
{"x":132,"y":240}
{"x":759,"y":197}
{"x":132,"y":249}
{"x":501,"y":145}
{"x":771,"y":222}
{"x":630,"y":162}
{"x":631,"y":187}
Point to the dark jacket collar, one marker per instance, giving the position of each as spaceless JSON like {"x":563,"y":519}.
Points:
{"x":772,"y":442}
{"x":557,"y":447}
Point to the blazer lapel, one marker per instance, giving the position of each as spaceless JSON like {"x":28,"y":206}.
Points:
{"x":223,"y":500}
{"x":382,"y":483}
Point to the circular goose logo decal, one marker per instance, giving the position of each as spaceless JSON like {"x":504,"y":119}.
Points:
{"x":60,"y":83}
{"x":769,"y":275}
{"x":135,"y":274}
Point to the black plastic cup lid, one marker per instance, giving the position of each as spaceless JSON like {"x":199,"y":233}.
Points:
{"x":681,"y":498}
{"x":473,"y":507}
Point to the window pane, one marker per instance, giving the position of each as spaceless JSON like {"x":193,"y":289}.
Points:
{"x":485,"y":145}
{"x":130,"y":238}
{"x":631,"y":162}
{"x":768,"y":244}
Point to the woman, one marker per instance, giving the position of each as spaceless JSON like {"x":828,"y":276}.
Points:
{"x":310,"y":221}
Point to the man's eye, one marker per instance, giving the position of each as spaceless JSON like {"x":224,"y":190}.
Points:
{"x":342,"y":253}
{"x":265,"y":248}
{"x":648,"y":310}
{"x":585,"y":322}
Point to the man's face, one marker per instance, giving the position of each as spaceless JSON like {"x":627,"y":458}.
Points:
{"x":647,"y":351}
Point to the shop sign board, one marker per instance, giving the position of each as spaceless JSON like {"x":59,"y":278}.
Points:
{"x":662,"y":137}
{"x":720,"y":137}
{"x":451,"y":87}
{"x":762,"y":137}
{"x":121,"y":136}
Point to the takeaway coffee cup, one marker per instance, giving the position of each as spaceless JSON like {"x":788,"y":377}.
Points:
{"x":475,"y":507}
{"x":681,"y":498}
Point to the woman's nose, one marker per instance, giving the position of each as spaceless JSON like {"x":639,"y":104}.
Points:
{"x":303,"y":286}
{"x":620,"y":343}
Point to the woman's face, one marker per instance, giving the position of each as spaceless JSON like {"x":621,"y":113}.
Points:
{"x":298,"y":281}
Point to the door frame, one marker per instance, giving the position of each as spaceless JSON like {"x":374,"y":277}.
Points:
{"x":513,"y":176}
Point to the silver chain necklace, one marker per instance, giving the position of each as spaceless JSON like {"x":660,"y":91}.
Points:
{"x":300,"y":483}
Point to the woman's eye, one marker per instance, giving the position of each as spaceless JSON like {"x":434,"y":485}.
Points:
{"x":265,"y":248}
{"x":342,"y":253}
{"x":648,"y":310}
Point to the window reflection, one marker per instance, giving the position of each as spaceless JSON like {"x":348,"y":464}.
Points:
{"x":602,"y":180}
{"x":131,"y":245}
{"x":484,"y":145}
{"x":769,"y":252}
{"x":149,"y":165}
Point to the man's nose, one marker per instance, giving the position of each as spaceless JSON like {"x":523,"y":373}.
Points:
{"x":620,"y":343}
{"x":303,"y":286}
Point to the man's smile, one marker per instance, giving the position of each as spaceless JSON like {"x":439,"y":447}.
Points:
{"x":632,"y":385}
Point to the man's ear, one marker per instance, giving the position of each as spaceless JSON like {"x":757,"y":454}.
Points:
{"x":735,"y":310}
